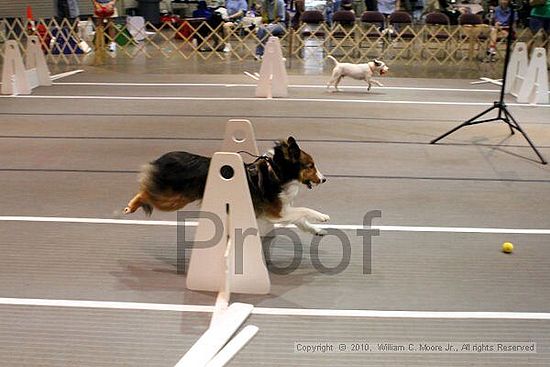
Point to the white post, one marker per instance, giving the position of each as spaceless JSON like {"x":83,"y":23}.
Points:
{"x":273,"y":81}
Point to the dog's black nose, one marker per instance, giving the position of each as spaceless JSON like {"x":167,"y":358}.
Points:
{"x":323,"y":180}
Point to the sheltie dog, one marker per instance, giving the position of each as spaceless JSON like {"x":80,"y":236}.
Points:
{"x":179,"y":178}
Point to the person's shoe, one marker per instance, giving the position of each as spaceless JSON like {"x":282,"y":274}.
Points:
{"x":227,"y":48}
{"x":258,"y":57}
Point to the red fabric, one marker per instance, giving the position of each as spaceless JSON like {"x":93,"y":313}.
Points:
{"x":104,"y":12}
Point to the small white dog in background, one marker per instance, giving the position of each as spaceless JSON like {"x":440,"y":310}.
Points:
{"x":357,"y":71}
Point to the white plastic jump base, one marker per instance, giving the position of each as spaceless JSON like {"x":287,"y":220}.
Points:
{"x":210,"y":343}
{"x":534,"y":89}
{"x":239,"y":137}
{"x":228,"y":197}
{"x":517,"y":68}
{"x":19,"y":78}
{"x":273,"y":80}
{"x":225,"y":355}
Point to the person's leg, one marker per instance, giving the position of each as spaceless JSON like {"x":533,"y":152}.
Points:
{"x":262,"y":35}
{"x":493,"y":40}
{"x":535,"y":23}
{"x":278,"y":30}
{"x":111,"y":31}
{"x":226,"y":33}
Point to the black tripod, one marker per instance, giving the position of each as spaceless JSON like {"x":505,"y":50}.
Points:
{"x":503,"y":113}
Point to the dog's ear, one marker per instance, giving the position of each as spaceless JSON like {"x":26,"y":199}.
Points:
{"x":377,"y":63}
{"x":293,"y":149}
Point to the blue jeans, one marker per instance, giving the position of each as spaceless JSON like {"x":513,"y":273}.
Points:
{"x":271,"y":29}
{"x":536,"y":23}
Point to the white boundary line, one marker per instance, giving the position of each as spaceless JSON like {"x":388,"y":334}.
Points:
{"x":532,"y":231}
{"x":253,"y":99}
{"x":278,"y":311}
{"x":247,"y":85}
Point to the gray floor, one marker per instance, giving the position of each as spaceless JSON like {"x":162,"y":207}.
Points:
{"x":71,"y":157}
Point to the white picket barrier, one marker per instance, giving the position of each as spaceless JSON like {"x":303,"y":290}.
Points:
{"x":19,"y":77}
{"x":534,"y":88}
{"x":273,"y":80}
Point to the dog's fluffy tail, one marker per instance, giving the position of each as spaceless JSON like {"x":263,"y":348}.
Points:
{"x":333,"y":59}
{"x":148,"y":184}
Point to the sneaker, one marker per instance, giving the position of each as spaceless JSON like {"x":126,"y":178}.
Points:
{"x":258,"y":57}
{"x":227,"y":48}
{"x":112,"y":47}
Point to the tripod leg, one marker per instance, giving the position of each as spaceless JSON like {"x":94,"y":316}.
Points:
{"x":507,"y":120}
{"x":516,"y":126}
{"x":466,"y":123}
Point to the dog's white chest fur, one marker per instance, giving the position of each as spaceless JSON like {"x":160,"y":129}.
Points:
{"x":290,"y":191}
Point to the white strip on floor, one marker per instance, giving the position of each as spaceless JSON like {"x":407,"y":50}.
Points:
{"x":278,"y":311}
{"x":532,"y":231}
{"x":252,"y":99}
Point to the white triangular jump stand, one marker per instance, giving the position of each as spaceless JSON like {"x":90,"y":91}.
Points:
{"x":19,"y":78}
{"x":239,"y":137}
{"x":235,"y":264}
{"x":273,"y":81}
{"x":535,"y":85}
{"x":517,"y":68}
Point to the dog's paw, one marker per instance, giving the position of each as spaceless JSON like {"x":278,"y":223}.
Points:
{"x":320,"y":232}
{"x":321,"y":218}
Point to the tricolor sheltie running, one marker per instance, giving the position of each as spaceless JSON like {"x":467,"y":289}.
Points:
{"x":179,"y":178}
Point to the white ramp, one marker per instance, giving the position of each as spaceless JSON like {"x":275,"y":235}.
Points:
{"x":227,"y":196}
{"x":534,"y":89}
{"x":273,"y":80}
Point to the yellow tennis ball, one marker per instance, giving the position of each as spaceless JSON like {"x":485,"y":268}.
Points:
{"x":507,"y":247}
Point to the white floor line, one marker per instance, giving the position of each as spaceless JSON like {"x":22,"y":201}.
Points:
{"x":278,"y":311}
{"x":261,"y":100}
{"x":247,"y":85}
{"x":531,"y":231}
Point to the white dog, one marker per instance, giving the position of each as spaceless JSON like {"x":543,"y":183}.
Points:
{"x":357,"y":71}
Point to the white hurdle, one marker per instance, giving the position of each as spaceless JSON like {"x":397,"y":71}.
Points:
{"x":19,"y":78}
{"x":239,"y":136}
{"x":273,"y":80}
{"x":227,"y":196}
{"x":527,"y":80}
{"x":235,"y":263}
{"x":517,"y":68}
{"x":535,"y":85}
